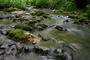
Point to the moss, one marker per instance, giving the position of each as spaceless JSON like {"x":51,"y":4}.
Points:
{"x":74,"y":16}
{"x":43,"y":25}
{"x":38,"y":13}
{"x":24,"y":27}
{"x":82,"y":16}
{"x":77,"y":22}
{"x":79,"y":19}
{"x":17,"y":34}
{"x":6,"y":22}
{"x":60,"y":10}
{"x":32,"y":22}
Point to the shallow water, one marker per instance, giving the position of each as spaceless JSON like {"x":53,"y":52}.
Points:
{"x":76,"y":35}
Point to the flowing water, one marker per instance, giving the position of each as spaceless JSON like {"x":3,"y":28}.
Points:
{"x":77,"y":36}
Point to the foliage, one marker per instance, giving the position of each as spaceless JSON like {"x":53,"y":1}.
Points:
{"x":88,"y":10}
{"x":80,"y":19}
{"x":64,"y":4}
{"x":13,"y":3}
{"x":68,"y":5}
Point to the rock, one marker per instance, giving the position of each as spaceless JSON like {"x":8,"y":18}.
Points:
{"x":39,"y":19}
{"x":38,"y":50}
{"x":11,"y":9}
{"x":12,"y":50}
{"x":19,"y":12}
{"x":62,"y":57}
{"x":66,"y":21}
{"x":40,"y":13}
{"x":41,"y":26}
{"x":58,"y":51}
{"x":73,"y":16}
{"x":60,"y":28}
{"x":32,"y":23}
{"x":23,"y":36}
{"x":42,"y":50}
{"x":24,"y":27}
{"x":4,"y":29}
{"x":27,"y":13}
{"x":2,"y":51}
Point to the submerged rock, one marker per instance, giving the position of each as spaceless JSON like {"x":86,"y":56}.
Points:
{"x":41,"y":26}
{"x":60,"y":28}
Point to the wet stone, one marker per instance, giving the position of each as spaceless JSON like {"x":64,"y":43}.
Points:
{"x":2,"y":51}
{"x":60,"y":28}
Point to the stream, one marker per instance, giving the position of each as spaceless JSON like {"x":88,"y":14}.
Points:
{"x":74,"y":41}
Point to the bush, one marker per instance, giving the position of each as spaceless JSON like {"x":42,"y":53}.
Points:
{"x":13,"y":3}
{"x":24,"y":27}
{"x":68,"y":5}
{"x":17,"y":34}
{"x":64,"y":4}
{"x":88,"y":10}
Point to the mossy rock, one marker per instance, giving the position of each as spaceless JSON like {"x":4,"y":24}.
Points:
{"x":82,"y":16}
{"x":60,"y":10}
{"x":81,"y":19}
{"x":22,"y":36}
{"x":38,"y":13}
{"x":11,"y":9}
{"x":43,"y":25}
{"x":17,"y":34}
{"x":77,"y":22}
{"x":74,"y":16}
{"x":32,"y":22}
{"x":24,"y":27}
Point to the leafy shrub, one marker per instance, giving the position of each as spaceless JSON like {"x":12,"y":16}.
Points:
{"x":13,"y":3}
{"x":64,"y":4}
{"x":88,"y":10}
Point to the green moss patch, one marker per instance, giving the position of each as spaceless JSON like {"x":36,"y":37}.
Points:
{"x":17,"y":34}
